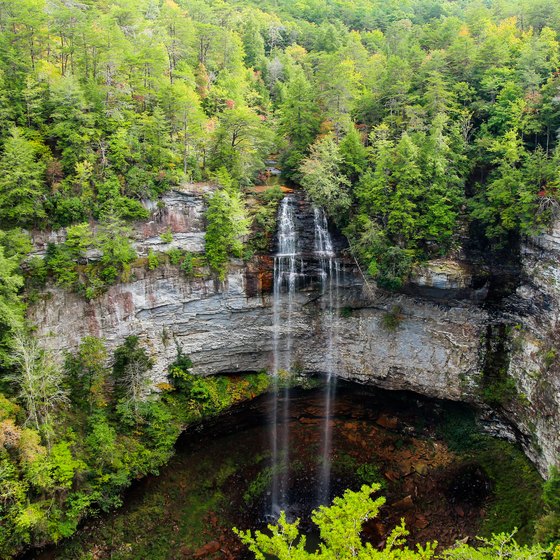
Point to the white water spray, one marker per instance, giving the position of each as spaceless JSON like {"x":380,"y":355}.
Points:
{"x":329,"y":271}
{"x":288,"y":269}
{"x":288,"y":266}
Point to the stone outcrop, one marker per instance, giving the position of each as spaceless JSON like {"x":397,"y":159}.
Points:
{"x":434,"y":346}
{"x":534,"y":318}
{"x":434,"y":349}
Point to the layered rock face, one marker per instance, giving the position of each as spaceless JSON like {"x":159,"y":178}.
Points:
{"x":534,"y":315}
{"x":435,"y":345}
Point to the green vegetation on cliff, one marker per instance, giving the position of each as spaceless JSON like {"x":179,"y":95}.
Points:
{"x":409,"y":121}
{"x":75,"y":436}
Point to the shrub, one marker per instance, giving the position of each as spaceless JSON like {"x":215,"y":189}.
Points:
{"x":391,"y":320}
{"x":167,"y":236}
{"x":227,"y":224}
{"x":174,"y":256}
{"x":153,"y":261}
{"x":187,"y":266}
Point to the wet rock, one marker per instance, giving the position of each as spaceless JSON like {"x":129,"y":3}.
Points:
{"x":207,"y":549}
{"x":388,"y":422}
{"x":405,"y":503}
{"x":459,"y":511}
{"x":392,"y":476}
{"x":421,"y":468}
{"x":421,"y":521}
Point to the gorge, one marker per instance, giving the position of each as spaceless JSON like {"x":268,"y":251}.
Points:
{"x":279,"y":256}
{"x":307,"y":309}
{"x":439,"y":348}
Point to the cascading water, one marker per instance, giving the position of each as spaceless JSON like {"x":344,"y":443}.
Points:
{"x":329,"y":273}
{"x":288,"y":269}
{"x":288,"y":265}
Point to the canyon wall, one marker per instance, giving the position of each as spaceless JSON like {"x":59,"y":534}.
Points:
{"x":435,"y":344}
{"x":533,"y":314}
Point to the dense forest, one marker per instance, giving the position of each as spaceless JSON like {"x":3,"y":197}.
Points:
{"x":414,"y":123}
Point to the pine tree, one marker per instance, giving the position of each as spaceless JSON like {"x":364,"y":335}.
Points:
{"x":11,"y":307}
{"x":299,"y":120}
{"x":22,"y":186}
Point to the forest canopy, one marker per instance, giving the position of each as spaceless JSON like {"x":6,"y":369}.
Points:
{"x":411,"y":122}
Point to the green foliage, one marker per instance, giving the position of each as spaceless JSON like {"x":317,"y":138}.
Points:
{"x":551,"y":490}
{"x":153,"y":260}
{"x":174,"y":256}
{"x":240,"y":143}
{"x":516,"y":489}
{"x":391,"y":320}
{"x":187,"y":264}
{"x":550,"y":357}
{"x":547,"y":529}
{"x":370,"y":474}
{"x":11,"y":308}
{"x":340,"y":526}
{"x":299,"y":120}
{"x":167,"y":236}
{"x":88,"y":374}
{"x":16,"y":243}
{"x":60,"y":263}
{"x":353,"y":155}
{"x":500,"y":391}
{"x":263,"y":219}
{"x":104,"y":438}
{"x":227,"y":224}
{"x":131,"y":373}
{"x":179,"y":371}
{"x":322,"y":178}
{"x":498,"y":546}
{"x":22,"y":189}
{"x":507,"y":204}
{"x":258,"y":486}
{"x":408,"y":121}
{"x":405,"y":133}
{"x":111,"y":239}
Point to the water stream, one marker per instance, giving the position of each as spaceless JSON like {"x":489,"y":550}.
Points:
{"x":289,"y":269}
{"x":330,"y":271}
{"x":288,"y":265}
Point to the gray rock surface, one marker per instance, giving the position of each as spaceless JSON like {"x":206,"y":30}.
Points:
{"x":436,"y":349}
{"x":535,"y":348}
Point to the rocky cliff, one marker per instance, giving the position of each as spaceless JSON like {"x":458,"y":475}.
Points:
{"x":432,"y":345}
{"x":533,"y":316}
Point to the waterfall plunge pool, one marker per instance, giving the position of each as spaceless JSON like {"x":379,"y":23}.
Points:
{"x":438,"y":472}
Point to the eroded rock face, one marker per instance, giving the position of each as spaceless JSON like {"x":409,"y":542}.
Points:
{"x":435,"y":347}
{"x":434,"y":350}
{"x":534,"y":312}
{"x":228,"y":327}
{"x":447,"y":279}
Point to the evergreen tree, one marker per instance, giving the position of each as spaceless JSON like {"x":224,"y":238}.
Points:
{"x":353,"y":154}
{"x":506,"y":203}
{"x":22,"y":186}
{"x":11,"y":307}
{"x":227,"y":224}
{"x":298,"y":122}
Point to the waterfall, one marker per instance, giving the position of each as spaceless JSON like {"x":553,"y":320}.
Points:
{"x":288,"y":266}
{"x":329,"y":273}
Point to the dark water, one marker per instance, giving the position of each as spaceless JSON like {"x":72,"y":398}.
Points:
{"x":220,"y":478}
